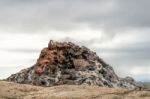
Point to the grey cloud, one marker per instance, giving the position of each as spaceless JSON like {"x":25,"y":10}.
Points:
{"x":125,"y":14}
{"x":132,"y":54}
{"x":135,"y":48}
{"x":35,"y":15}
{"x":43,"y":15}
{"x":22,"y":50}
{"x":143,"y":78}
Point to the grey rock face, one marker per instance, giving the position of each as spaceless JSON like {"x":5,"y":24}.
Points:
{"x":67,"y":63}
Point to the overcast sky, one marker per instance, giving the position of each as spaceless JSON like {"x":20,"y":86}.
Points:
{"x":118,"y":30}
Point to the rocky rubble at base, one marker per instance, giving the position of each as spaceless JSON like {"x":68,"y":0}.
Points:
{"x":67,"y":63}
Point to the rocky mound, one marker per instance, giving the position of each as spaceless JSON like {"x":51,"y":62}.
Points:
{"x":67,"y":63}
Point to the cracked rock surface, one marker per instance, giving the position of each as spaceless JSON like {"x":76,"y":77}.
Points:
{"x":67,"y":63}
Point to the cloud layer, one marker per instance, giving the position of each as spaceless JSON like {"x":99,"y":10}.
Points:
{"x":43,"y":15}
{"x":118,"y":30}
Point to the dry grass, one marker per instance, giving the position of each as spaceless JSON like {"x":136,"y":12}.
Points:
{"x":21,"y":91}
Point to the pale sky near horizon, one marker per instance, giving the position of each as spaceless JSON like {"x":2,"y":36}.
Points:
{"x":118,"y":30}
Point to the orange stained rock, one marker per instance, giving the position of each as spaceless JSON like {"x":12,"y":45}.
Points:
{"x":52,"y":45}
{"x":39,"y":71}
{"x":51,"y":56}
{"x":44,"y":50}
{"x":56,"y":45}
{"x":48,"y":55}
{"x":60,"y":56}
{"x":43,"y":62}
{"x":60,"y":46}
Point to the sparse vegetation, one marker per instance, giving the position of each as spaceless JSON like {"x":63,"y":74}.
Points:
{"x":21,"y":91}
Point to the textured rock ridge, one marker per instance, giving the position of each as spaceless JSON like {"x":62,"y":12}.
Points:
{"x":67,"y":63}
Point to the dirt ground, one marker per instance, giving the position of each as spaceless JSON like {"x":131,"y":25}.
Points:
{"x":9,"y":90}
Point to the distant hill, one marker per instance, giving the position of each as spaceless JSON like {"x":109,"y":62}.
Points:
{"x":146,"y":84}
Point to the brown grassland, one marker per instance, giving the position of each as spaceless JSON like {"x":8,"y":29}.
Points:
{"x":9,"y":90}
